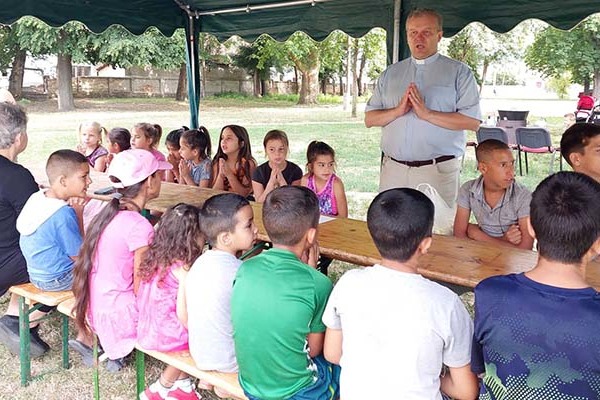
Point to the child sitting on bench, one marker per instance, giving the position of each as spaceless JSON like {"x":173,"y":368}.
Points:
{"x":51,"y":223}
{"x":106,"y":277}
{"x":391,"y":330}
{"x":500,"y":205}
{"x":277,"y":303}
{"x":162,"y":323}
{"x":536,"y":333}
{"x":579,"y":146}
{"x":227,"y":220}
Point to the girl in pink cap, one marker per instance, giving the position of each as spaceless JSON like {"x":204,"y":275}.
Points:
{"x":105,"y":281}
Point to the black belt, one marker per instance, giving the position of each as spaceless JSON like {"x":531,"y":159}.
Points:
{"x":422,"y":163}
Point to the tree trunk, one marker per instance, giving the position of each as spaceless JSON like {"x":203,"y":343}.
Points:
{"x":586,"y":85}
{"x":361,"y":69}
{"x":64,"y":76}
{"x":483,"y":74}
{"x":15,"y":82}
{"x":181,"y":93}
{"x":354,"y":76}
{"x":596,"y":92}
{"x":309,"y":90}
{"x":263,"y":87}
{"x":203,"y":79}
{"x":256,"y":84}
{"x":347,"y":77}
{"x":309,"y":68}
{"x":297,"y":78}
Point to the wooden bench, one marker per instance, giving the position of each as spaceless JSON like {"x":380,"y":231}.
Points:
{"x":31,"y":299}
{"x":183,"y":361}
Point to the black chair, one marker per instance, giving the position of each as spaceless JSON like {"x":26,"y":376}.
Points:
{"x":491,"y":132}
{"x":535,"y":140}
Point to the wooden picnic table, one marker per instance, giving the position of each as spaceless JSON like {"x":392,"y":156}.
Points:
{"x":457,"y":261}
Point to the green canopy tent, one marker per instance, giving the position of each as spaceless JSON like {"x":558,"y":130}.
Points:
{"x":280,"y":18}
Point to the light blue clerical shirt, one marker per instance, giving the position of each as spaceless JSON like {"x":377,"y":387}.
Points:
{"x":446,"y":85}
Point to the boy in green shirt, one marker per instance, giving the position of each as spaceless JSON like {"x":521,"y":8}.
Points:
{"x":277,"y":304}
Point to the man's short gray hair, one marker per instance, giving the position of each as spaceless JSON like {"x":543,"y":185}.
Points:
{"x":419,"y":12}
{"x":13,"y":121}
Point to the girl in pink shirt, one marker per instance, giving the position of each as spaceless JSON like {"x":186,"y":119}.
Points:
{"x":104,"y":282}
{"x":322,"y":180}
{"x":162,"y":323}
{"x":147,"y":137}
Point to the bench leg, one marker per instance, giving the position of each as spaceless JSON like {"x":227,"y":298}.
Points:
{"x":24,"y":340}
{"x":95,"y":370}
{"x":65,"y":342}
{"x":140,"y":372}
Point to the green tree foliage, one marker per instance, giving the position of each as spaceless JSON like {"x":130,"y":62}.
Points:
{"x":316,"y":61}
{"x":560,"y":84}
{"x":462,"y":47}
{"x":118,"y":47}
{"x":479,"y":47}
{"x":333,"y":53}
{"x":8,"y":47}
{"x":258,"y":58}
{"x":577,"y":51}
{"x":68,"y":43}
{"x":40,"y":39}
{"x":372,"y":48}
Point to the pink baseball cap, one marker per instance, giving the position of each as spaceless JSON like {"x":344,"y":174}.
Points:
{"x":133,"y":166}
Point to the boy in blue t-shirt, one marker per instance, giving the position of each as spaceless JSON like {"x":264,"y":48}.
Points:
{"x":51,"y":222}
{"x":536,"y":333}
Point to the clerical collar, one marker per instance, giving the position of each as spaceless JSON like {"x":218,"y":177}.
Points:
{"x":427,"y":60}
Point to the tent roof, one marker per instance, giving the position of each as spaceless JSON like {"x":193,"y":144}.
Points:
{"x":355,"y":17}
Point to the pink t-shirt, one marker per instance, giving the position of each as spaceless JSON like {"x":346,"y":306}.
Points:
{"x":160,"y":157}
{"x":158,"y":326}
{"x":112,"y":312}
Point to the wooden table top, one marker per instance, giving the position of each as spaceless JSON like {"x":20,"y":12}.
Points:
{"x":462,"y":262}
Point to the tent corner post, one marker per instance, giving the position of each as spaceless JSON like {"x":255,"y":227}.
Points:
{"x":192,"y":67}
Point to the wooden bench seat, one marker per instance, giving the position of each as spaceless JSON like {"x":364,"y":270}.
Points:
{"x":31,"y":299}
{"x":34,"y":295}
{"x":66,"y":307}
{"x":183,"y":361}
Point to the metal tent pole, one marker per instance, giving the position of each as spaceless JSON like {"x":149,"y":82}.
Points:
{"x":396,"y":45}
{"x":193,"y":73}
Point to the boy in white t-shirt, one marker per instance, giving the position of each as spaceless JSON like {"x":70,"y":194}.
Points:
{"x":227,"y":220}
{"x":391,"y":330}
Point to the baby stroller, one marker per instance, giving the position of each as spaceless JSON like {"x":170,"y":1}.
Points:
{"x":585,"y":108}
{"x":594,"y":117}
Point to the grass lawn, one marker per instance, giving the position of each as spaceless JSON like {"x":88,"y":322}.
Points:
{"x":357,"y":156}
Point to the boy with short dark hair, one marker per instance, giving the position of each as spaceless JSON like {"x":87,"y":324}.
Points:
{"x":51,"y":223}
{"x":277,"y":303}
{"x":536,"y":333}
{"x":580,"y":147}
{"x":227,"y":220}
{"x":500,"y":205}
{"x":392,"y":330}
